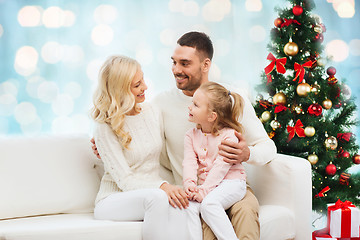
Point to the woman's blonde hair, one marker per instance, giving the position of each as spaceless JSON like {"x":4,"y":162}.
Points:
{"x":227,"y":105}
{"x":113,"y":98}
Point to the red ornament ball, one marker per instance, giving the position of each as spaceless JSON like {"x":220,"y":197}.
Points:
{"x":356,"y":159}
{"x":331,"y":71}
{"x":315,"y":109}
{"x":297,"y":10}
{"x":278,"y":22}
{"x":344,"y":154}
{"x":319,"y":38}
{"x":330,"y":169}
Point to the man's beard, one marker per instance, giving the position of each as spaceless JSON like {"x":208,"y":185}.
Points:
{"x":190,"y":86}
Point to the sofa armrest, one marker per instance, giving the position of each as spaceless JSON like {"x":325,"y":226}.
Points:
{"x":285,"y":181}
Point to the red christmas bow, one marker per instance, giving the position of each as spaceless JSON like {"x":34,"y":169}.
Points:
{"x":280,"y":108}
{"x":344,"y":136}
{"x":300,"y":71}
{"x":296,"y":129}
{"x":287,"y":22}
{"x":340,"y":204}
{"x":321,"y":193}
{"x":279,"y":63}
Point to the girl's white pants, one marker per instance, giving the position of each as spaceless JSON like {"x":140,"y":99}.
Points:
{"x":160,"y":220}
{"x":212,"y":210}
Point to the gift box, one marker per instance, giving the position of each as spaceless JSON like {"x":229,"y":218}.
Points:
{"x":343,"y":220}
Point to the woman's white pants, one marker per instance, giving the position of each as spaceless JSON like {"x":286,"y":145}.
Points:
{"x":160,"y":220}
{"x":212,"y":210}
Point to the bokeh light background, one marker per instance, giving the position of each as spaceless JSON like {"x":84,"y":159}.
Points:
{"x":51,"y":51}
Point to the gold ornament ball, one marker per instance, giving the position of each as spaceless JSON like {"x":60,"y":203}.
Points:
{"x":275,"y":124}
{"x":331,"y":143}
{"x":321,"y":62}
{"x":291,"y":49}
{"x":318,"y":29}
{"x":356,"y":159}
{"x":296,"y":108}
{"x":315,"y":88}
{"x":327,"y":103}
{"x":303,"y":89}
{"x":313,"y":159}
{"x":279,"y":98}
{"x":265,"y":116}
{"x":309,"y":131}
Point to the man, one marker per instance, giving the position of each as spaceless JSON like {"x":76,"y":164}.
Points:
{"x":191,"y":64}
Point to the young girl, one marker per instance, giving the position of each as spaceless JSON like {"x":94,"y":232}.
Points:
{"x":129,"y":141}
{"x":212,"y":184}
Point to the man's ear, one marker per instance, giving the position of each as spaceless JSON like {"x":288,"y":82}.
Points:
{"x":206,"y":65}
{"x":212,"y":116}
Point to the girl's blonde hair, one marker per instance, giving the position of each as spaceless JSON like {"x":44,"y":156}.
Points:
{"x":113,"y":98}
{"x":227,"y":105}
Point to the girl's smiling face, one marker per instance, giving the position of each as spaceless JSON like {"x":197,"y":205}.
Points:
{"x":199,"y":109}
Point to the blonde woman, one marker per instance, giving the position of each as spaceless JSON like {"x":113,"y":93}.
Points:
{"x":212,"y":184}
{"x":128,"y":136}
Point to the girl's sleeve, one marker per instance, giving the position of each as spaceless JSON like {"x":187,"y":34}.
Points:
{"x":114,"y":160}
{"x":190,"y":165}
{"x":218,"y":171}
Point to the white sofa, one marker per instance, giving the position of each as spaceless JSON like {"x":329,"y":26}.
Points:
{"x":48,"y":185}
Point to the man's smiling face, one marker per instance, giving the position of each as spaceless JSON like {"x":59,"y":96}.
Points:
{"x":187,"y":68}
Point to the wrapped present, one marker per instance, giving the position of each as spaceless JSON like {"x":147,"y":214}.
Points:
{"x":343,"y":220}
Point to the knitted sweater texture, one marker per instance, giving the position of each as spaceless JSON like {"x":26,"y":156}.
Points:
{"x":138,"y":166}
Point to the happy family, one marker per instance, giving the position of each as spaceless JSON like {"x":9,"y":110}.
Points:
{"x":175,"y":163}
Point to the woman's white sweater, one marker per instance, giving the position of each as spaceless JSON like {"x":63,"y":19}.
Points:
{"x":138,"y":166}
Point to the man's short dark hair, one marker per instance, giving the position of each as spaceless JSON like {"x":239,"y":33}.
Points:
{"x":198,"y":40}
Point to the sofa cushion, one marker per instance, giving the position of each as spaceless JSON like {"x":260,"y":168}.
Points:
{"x":46,"y":175}
{"x":276,"y":222}
{"x":69,"y":227}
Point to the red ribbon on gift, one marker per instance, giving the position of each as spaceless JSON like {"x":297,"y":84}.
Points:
{"x":321,"y":193}
{"x":345,"y":216}
{"x":279,"y":63}
{"x":287,"y":22}
{"x":344,"y":136}
{"x":300,"y":70}
{"x":280,"y":108}
{"x":296,"y":129}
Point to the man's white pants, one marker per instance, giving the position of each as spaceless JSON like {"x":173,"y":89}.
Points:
{"x":161,"y":220}
{"x":212,"y":210}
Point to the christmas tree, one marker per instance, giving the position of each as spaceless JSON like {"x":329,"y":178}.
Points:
{"x":305,"y":109}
